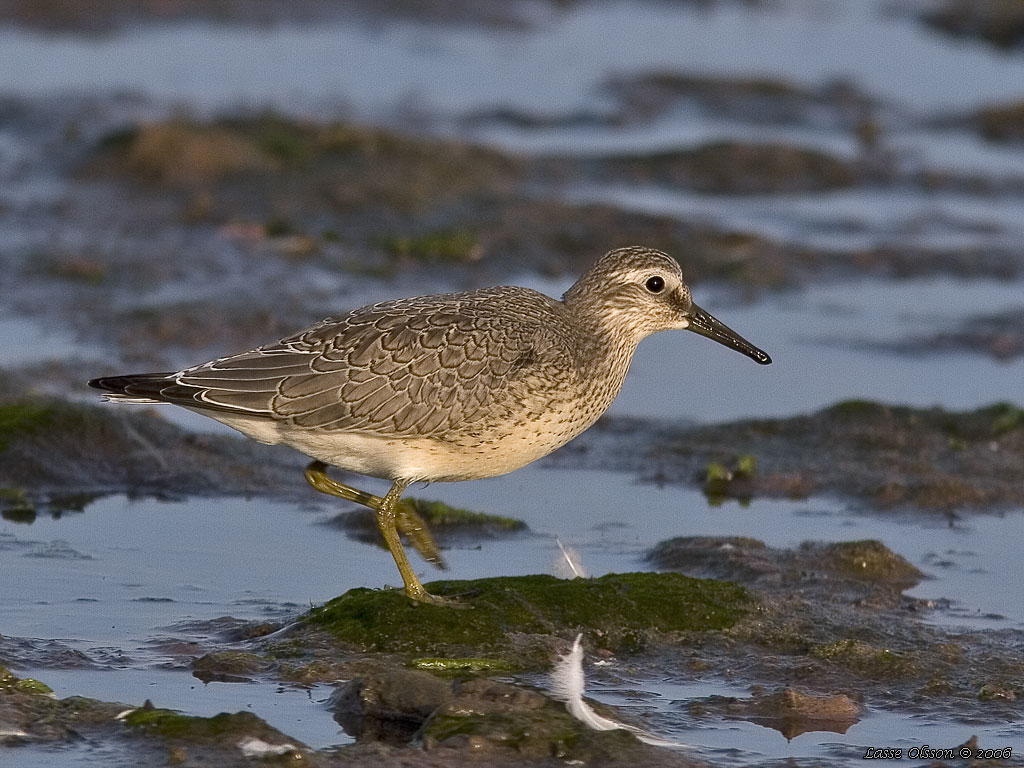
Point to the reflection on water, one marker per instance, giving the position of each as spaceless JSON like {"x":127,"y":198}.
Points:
{"x":740,"y":742}
{"x":299,"y":712}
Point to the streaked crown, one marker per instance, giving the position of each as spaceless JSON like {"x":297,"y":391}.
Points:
{"x":632,"y":292}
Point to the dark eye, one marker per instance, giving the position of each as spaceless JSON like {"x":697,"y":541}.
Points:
{"x":655,"y":284}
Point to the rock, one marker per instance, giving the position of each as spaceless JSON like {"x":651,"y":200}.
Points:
{"x":228,"y":667}
{"x":389,"y":706}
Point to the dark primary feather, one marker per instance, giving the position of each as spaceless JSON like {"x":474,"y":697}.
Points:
{"x":421,"y":366}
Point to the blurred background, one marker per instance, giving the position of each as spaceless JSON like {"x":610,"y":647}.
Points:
{"x":842,"y":182}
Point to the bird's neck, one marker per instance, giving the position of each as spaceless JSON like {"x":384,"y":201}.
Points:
{"x":604,"y":352}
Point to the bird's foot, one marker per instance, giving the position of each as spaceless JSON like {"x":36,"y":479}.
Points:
{"x":425,"y":598}
{"x":411,"y":525}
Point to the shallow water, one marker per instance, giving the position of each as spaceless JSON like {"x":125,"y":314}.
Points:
{"x":298,"y":711}
{"x":738,"y":742}
{"x":398,"y":65}
{"x":24,"y":340}
{"x":122,"y":578}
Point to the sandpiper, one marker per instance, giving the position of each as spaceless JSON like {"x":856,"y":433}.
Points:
{"x":456,"y":386}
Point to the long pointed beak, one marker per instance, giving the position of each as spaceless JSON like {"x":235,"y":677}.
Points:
{"x":706,"y":325}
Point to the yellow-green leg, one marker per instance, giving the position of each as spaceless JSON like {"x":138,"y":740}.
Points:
{"x":408,"y":521}
{"x":386,"y":521}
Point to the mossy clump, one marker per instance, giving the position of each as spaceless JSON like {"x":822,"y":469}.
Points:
{"x":720,"y":480}
{"x":11,"y":683}
{"x":439,"y":665}
{"x":866,"y":660}
{"x":16,"y":506}
{"x":437,"y":514}
{"x":735,"y":167}
{"x":339,"y":166}
{"x":420,"y":521}
{"x":225,"y":728}
{"x":454,"y":245}
{"x":79,"y":270}
{"x":183,"y":153}
{"x":871,"y":560}
{"x":997,"y":692}
{"x":857,"y":409}
{"x":228,"y":666}
{"x":614,"y":611}
{"x":24,"y":417}
{"x":1004,"y":417}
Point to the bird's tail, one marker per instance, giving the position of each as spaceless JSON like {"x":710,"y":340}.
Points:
{"x":135,"y":387}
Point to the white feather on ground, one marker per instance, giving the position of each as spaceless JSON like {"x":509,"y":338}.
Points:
{"x":258,"y":748}
{"x":568,"y":684}
{"x":570,"y":565}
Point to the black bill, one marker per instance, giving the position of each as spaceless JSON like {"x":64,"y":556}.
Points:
{"x":706,"y":325}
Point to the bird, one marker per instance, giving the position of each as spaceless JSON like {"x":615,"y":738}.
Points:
{"x":445,"y":387}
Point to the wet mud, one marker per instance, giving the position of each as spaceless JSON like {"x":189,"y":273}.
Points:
{"x":105,"y":16}
{"x":999,"y":22}
{"x":875,"y":455}
{"x":999,"y":336}
{"x":56,"y":456}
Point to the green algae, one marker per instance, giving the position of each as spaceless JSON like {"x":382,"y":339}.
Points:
{"x":11,"y":683}
{"x":550,"y":735}
{"x":857,"y":409}
{"x":997,"y":692}
{"x":716,"y":472}
{"x":614,"y":611}
{"x":866,"y":660}
{"x":15,"y":506}
{"x":456,"y":245}
{"x":1005,"y":417}
{"x":477,"y":666}
{"x":228,"y":666}
{"x":746,"y":465}
{"x":31,"y":685}
{"x":871,"y":560}
{"x":719,"y":479}
{"x":439,"y":515}
{"x":24,"y":417}
{"x":171,"y":725}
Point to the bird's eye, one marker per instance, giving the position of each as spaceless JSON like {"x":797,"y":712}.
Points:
{"x":655,"y":284}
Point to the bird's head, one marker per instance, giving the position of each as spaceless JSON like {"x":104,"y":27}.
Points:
{"x":638,"y":291}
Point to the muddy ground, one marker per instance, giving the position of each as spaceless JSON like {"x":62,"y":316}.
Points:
{"x":877,"y":455}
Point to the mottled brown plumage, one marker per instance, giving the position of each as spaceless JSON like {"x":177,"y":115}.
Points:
{"x":447,"y":387}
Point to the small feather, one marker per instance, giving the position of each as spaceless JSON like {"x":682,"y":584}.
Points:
{"x":257,"y":748}
{"x":568,"y":684}
{"x":570,"y":565}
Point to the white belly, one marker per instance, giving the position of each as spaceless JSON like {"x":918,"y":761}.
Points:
{"x":406,"y":458}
